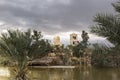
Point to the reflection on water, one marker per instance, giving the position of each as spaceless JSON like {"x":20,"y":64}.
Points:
{"x":4,"y":73}
{"x":52,"y":74}
{"x":83,"y":73}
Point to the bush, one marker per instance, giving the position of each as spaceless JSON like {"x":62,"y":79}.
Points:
{"x":105,"y":57}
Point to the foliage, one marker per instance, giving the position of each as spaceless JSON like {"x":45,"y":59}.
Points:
{"x":40,"y":47}
{"x":103,"y":56}
{"x":99,"y":55}
{"x":43,"y":49}
{"x":4,"y":61}
{"x":117,"y":6}
{"x":108,"y":25}
{"x":20,"y":47}
{"x":67,"y":56}
{"x":58,"y":48}
{"x":79,"y":50}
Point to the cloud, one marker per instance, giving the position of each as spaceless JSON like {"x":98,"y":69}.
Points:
{"x":51,"y":16}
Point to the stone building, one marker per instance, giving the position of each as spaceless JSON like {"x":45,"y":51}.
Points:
{"x":73,"y":39}
{"x":56,"y":40}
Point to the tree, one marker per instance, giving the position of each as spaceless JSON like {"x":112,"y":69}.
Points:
{"x":19,"y":47}
{"x":41,"y":46}
{"x":79,"y":49}
{"x":85,"y":37}
{"x":108,"y":25}
{"x":101,"y":56}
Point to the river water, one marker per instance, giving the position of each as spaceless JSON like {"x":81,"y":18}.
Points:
{"x":82,"y":73}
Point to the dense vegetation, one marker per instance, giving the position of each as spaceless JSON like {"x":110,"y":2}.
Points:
{"x":20,"y":47}
{"x":108,"y":26}
{"x":104,"y":56}
{"x":79,"y":50}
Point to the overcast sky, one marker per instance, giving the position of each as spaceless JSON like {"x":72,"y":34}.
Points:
{"x":51,"y":16}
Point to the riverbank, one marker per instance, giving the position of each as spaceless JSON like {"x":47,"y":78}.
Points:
{"x":54,"y":67}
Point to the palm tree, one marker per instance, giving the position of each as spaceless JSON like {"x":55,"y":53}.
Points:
{"x":108,"y":25}
{"x":20,"y":47}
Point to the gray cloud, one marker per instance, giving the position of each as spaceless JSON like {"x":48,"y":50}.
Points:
{"x":51,"y":16}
